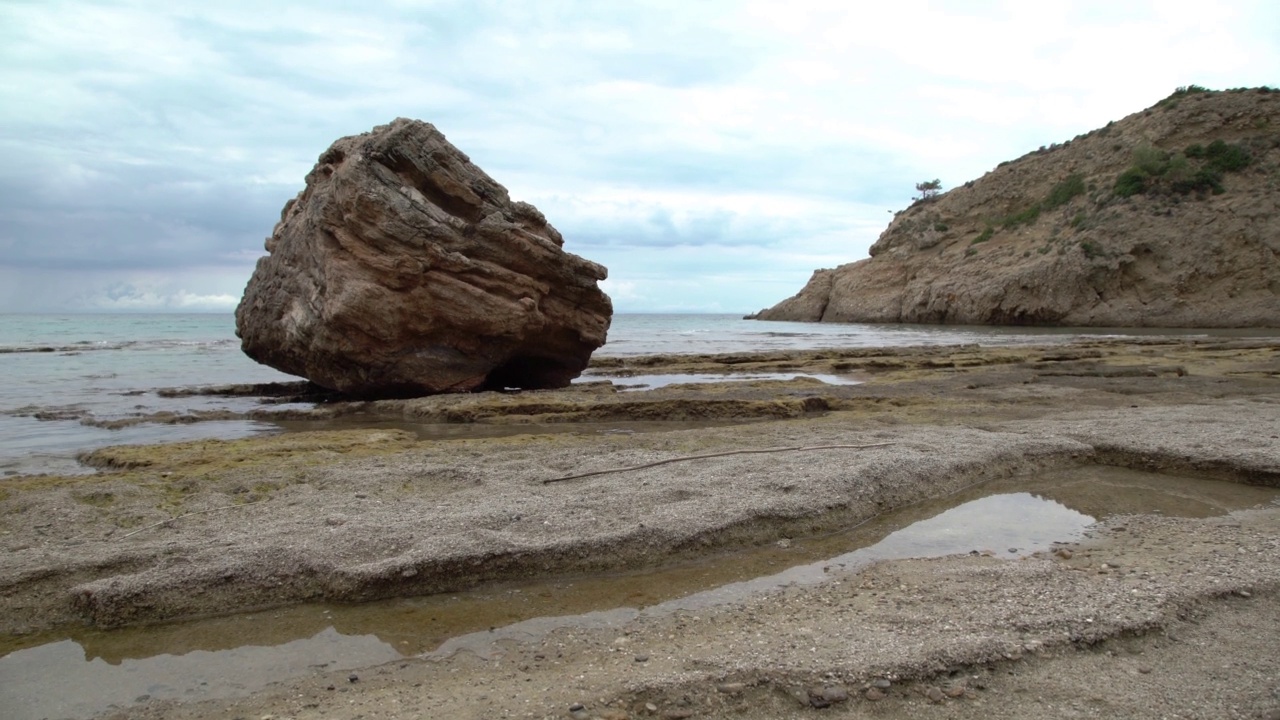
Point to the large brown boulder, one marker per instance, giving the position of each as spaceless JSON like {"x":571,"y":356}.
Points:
{"x":1167,"y":218}
{"x":403,"y":269}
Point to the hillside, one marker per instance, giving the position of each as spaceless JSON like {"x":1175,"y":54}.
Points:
{"x":1169,"y":217}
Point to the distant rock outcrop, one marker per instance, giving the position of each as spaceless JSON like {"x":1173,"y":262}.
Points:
{"x":403,"y":269}
{"x":1167,"y":218}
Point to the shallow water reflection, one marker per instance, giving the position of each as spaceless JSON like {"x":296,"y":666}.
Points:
{"x":650,"y":382}
{"x":231,"y":656}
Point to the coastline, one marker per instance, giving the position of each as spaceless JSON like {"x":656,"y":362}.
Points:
{"x":357,"y":514}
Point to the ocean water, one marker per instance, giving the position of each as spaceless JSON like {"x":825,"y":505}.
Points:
{"x":66,"y":375}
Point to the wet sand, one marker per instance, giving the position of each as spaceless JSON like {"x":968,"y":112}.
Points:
{"x":377,"y":511}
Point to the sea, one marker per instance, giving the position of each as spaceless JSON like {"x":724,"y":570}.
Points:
{"x":72,"y":383}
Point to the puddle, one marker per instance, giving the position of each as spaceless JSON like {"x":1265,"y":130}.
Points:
{"x":649,"y":382}
{"x":91,"y":671}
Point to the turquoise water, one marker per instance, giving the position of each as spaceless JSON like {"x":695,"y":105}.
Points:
{"x":64,"y":373}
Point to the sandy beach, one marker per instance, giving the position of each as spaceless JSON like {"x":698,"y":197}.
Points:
{"x":1152,"y":615}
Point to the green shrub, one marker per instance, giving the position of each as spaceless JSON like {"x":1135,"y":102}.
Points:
{"x":1195,"y":151}
{"x":1026,"y":217}
{"x":1131,"y":182}
{"x":1204,"y":180}
{"x":1065,"y":191}
{"x":1226,"y":158}
{"x":984,"y":236}
{"x":1151,"y":160}
{"x":940,"y":226}
{"x":1091,"y":250}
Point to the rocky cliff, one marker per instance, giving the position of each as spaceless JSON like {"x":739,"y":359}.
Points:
{"x":403,"y":269}
{"x":1169,"y":217}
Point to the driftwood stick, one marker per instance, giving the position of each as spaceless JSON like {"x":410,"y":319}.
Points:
{"x":184,"y":515}
{"x":797,"y":448}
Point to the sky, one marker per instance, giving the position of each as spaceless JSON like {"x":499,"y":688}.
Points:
{"x":710,"y":154}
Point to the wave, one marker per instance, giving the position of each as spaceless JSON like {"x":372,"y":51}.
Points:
{"x":95,"y":346}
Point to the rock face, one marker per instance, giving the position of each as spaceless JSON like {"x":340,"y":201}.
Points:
{"x":1167,"y":218}
{"x":403,"y":269}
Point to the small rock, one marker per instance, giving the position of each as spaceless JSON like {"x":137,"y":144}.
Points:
{"x":642,"y":658}
{"x":835,"y":694}
{"x":1144,"y":669}
{"x":1063,"y":553}
{"x":731,"y":688}
{"x":677,"y":714}
{"x":353,"y":678}
{"x":651,"y":707}
{"x":784,"y":543}
{"x":935,"y":695}
{"x":875,"y":694}
{"x":576,"y":707}
{"x":955,"y":691}
{"x":1244,"y":594}
{"x":881,"y":684}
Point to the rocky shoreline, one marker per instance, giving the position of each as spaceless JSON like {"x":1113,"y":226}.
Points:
{"x":372,"y":510}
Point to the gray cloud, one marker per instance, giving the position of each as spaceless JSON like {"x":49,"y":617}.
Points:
{"x":150,"y":147}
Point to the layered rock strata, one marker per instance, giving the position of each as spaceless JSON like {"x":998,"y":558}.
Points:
{"x":403,"y":269}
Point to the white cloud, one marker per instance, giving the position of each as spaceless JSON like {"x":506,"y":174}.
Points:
{"x":710,"y":154}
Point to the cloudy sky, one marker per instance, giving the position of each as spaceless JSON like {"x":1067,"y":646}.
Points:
{"x":711,"y":154}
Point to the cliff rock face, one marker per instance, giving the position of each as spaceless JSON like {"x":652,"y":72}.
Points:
{"x":403,"y":269}
{"x":1167,"y":218}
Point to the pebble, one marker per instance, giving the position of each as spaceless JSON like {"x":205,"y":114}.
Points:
{"x":731,"y":688}
{"x":353,"y":678}
{"x":642,"y":658}
{"x":835,"y":694}
{"x":874,"y":694}
{"x":1063,"y":553}
{"x":935,"y":695}
{"x":955,"y":691}
{"x":881,"y":684}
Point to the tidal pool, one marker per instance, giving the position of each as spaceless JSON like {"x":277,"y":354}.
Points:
{"x":649,"y":382}
{"x":83,"y":672}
